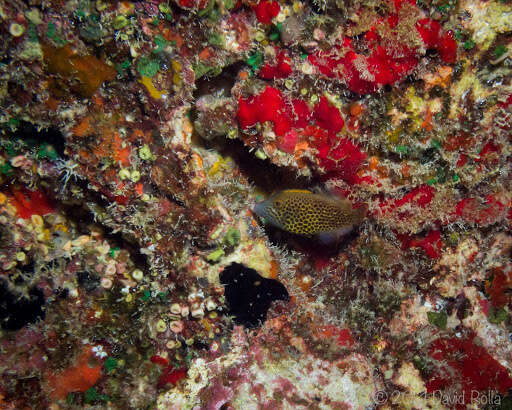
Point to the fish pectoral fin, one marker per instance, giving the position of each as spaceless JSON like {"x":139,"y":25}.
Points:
{"x":328,"y":238}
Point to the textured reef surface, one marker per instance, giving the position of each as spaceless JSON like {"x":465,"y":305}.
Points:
{"x":136,"y":138}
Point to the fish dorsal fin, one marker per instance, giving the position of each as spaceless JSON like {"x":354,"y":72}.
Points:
{"x":300,"y":191}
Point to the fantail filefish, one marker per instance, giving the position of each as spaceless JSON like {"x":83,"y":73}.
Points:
{"x":304,"y":213}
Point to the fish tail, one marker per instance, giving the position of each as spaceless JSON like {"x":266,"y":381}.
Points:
{"x":361,"y":211}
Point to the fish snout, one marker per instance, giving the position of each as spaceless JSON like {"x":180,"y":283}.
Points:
{"x":260,"y":208}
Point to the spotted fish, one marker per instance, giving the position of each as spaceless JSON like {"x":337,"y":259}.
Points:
{"x":313,"y":215}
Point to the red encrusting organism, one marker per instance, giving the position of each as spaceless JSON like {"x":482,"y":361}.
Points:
{"x":481,"y":212}
{"x":340,"y":157}
{"x":507,"y":102}
{"x":193,"y":4}
{"x":266,"y":10}
{"x":30,"y":203}
{"x":462,"y":160}
{"x":471,"y":368}
{"x":489,"y":153}
{"x":497,"y":287}
{"x":431,"y":243}
{"x":300,"y":113}
{"x":270,"y":105}
{"x":288,"y":141}
{"x":266,"y":106}
{"x":162,"y":361}
{"x":328,"y":116}
{"x":345,"y":338}
{"x":343,"y":160}
{"x":364,"y":74}
{"x":171,"y":375}
{"x":281,"y":69}
{"x":420,"y":196}
{"x":444,"y":43}
{"x":383,"y":64}
{"x":77,"y":377}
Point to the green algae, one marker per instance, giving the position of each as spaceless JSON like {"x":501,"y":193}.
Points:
{"x":215,"y":256}
{"x":438,"y":319}
{"x":232,"y":237}
{"x":148,"y":66}
{"x":110,"y":364}
{"x":497,"y":316}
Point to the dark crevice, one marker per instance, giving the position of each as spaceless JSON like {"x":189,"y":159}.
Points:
{"x":172,"y":198}
{"x":310,"y":246}
{"x":223,"y":82}
{"x":29,"y":133}
{"x":265,"y":175}
{"x":318,"y":6}
{"x":87,"y":280}
{"x":17,"y":310}
{"x":116,"y":239}
{"x":249,"y":294}
{"x":84,"y":218}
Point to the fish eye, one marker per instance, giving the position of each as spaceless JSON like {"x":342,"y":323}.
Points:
{"x":278,"y":204}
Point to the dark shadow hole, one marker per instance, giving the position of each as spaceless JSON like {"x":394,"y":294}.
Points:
{"x":84,"y":218}
{"x":265,"y":175}
{"x":249,"y":294}
{"x":16,"y":310}
{"x":223,"y":82}
{"x":309,"y":246}
{"x":29,"y":133}
{"x":87,"y":280}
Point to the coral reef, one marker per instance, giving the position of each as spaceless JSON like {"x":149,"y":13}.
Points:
{"x":136,"y":138}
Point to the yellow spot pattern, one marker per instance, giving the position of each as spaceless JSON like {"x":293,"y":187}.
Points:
{"x":305,"y":213}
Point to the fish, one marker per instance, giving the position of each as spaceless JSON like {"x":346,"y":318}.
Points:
{"x":308,"y":214}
